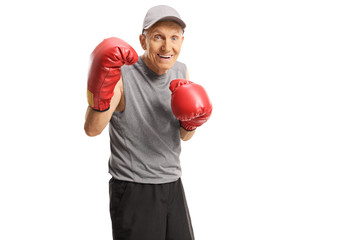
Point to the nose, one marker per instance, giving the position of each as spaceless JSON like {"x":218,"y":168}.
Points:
{"x":166,"y":46}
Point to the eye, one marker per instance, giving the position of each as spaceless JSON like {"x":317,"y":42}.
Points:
{"x":157,"y":37}
{"x":175,"y":38}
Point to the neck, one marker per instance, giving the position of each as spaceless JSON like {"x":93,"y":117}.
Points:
{"x":148,"y":63}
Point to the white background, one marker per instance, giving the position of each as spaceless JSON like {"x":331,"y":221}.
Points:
{"x":279,"y":158}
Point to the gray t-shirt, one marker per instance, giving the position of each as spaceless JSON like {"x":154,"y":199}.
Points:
{"x":145,"y":138}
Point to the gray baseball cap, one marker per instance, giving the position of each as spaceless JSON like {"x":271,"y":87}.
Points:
{"x":162,"y":13}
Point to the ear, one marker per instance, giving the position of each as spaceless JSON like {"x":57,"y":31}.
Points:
{"x":142,"y":39}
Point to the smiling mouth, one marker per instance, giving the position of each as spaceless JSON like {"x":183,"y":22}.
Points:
{"x":165,"y":56}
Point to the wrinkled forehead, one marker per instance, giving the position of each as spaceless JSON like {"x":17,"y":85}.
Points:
{"x":165,"y":26}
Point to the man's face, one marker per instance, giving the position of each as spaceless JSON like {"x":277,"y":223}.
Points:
{"x":162,"y":45}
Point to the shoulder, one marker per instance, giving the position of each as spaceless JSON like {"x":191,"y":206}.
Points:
{"x":179,"y":66}
{"x":178,"y":70}
{"x":130,"y":71}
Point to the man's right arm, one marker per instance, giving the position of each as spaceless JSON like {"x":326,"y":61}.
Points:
{"x":105,"y":82}
{"x":96,"y":121}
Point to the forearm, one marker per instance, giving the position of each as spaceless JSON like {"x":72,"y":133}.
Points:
{"x":186,"y":135}
{"x":95,"y":121}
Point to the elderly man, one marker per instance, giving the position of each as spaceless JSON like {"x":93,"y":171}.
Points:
{"x":150,"y":105}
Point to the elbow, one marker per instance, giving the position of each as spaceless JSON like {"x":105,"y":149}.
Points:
{"x":91,"y":132}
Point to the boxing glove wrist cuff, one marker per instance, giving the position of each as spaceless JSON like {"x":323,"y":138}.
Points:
{"x":187,"y":127}
{"x":97,"y":110}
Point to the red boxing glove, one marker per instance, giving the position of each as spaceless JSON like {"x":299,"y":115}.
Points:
{"x":104,"y":73}
{"x":190,"y":103}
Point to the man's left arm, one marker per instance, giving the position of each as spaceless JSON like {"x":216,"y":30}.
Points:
{"x":190,"y":104}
